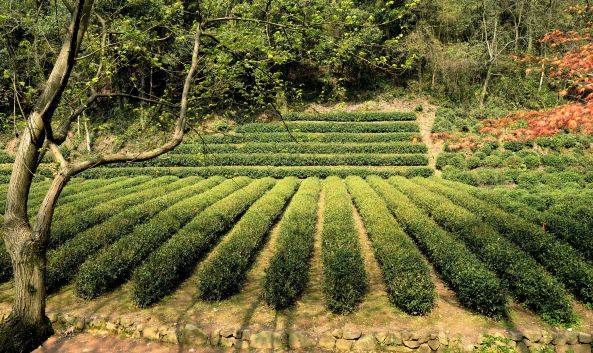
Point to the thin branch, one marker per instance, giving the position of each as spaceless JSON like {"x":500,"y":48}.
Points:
{"x":245,"y":19}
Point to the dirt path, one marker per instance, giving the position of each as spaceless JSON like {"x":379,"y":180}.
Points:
{"x":426,"y":120}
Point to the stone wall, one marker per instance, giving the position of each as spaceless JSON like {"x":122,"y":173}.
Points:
{"x":529,"y":341}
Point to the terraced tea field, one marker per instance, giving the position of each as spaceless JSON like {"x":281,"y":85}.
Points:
{"x":151,"y":234}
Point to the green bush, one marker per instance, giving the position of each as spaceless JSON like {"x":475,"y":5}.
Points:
{"x":288,"y":271}
{"x":223,"y":272}
{"x":344,"y":277}
{"x":476,"y":287}
{"x":173,"y":261}
{"x":63,"y":263}
{"x":556,"y":256}
{"x":303,"y":147}
{"x":351,"y":116}
{"x":525,"y":279}
{"x":316,"y":127}
{"x":287,"y":159}
{"x":88,"y":211}
{"x":405,"y":271}
{"x":116,"y":263}
{"x":312,"y":137}
{"x":453,"y":159}
{"x":264,"y":171}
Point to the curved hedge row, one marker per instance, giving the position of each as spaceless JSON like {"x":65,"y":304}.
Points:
{"x":310,"y":137}
{"x":317,"y":127}
{"x":351,"y":116}
{"x":262,"y":171}
{"x":223,"y":272}
{"x":476,"y":287}
{"x":556,"y":256}
{"x":575,"y":233}
{"x":116,"y":263}
{"x":405,"y":271}
{"x":344,"y":277}
{"x":303,"y":147}
{"x":286,"y":159}
{"x":170,"y":264}
{"x":63,"y":263}
{"x":88,"y":211}
{"x":526,"y":280}
{"x":288,"y":271}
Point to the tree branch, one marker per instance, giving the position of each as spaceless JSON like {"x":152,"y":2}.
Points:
{"x":177,"y":134}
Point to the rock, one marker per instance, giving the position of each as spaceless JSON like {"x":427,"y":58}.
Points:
{"x":434,"y":344}
{"x":266,"y":340}
{"x":227,"y":332}
{"x":527,"y":342}
{"x":69,"y":319}
{"x":170,"y":336}
{"x":192,"y":334}
{"x":381,"y":336}
{"x":547,"y":338}
{"x":53,"y":317}
{"x":584,"y":337}
{"x":246,"y":335}
{"x":406,"y":335}
{"x":126,"y":322}
{"x":515,"y":336}
{"x":424,"y":348}
{"x":244,"y":345}
{"x":511,"y":344}
{"x":412,"y":344}
{"x":443,"y":338}
{"x":351,"y":334}
{"x":343,"y":344}
{"x":111,"y":327}
{"x":337,"y":333}
{"x":327,"y":341}
{"x":215,"y":337}
{"x":151,"y":333}
{"x":522,"y":348}
{"x":581,"y":348}
{"x":559,"y":339}
{"x":365,"y":343}
{"x":536,"y":347}
{"x":297,"y":340}
{"x":227,"y":341}
{"x":572,"y":338}
{"x":393,"y":339}
{"x":433,"y":336}
{"x":80,"y":324}
{"x":533,"y":335}
{"x":563,"y":348}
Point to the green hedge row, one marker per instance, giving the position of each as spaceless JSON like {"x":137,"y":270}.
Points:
{"x":223,"y":273}
{"x":287,"y":159}
{"x":310,"y":137}
{"x":115,"y":264}
{"x":6,"y":158}
{"x":89,"y":210}
{"x":523,"y":179}
{"x":556,"y":256}
{"x":476,"y":287}
{"x":351,"y":116}
{"x":302,"y":147}
{"x":324,"y":127}
{"x":288,"y":271}
{"x":573,"y":232}
{"x":521,"y":160}
{"x":525,"y":279}
{"x":344,"y":277}
{"x":170,"y":264}
{"x":63,"y":263}
{"x":405,"y":271}
{"x":37,"y":188}
{"x":262,"y":171}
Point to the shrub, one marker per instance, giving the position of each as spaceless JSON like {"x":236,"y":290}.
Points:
{"x":344,"y":277}
{"x":352,"y":116}
{"x":476,"y":287}
{"x":264,"y":171}
{"x":287,"y":273}
{"x":404,"y":269}
{"x":63,"y":262}
{"x":454,"y":159}
{"x":223,"y":273}
{"x":78,"y":216}
{"x":316,"y":127}
{"x":173,"y":261}
{"x":115,"y":263}
{"x":492,"y":161}
{"x":526,"y":280}
{"x":304,"y":147}
{"x":312,"y":137}
{"x":557,"y":257}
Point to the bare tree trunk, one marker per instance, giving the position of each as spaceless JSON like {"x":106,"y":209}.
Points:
{"x":485,"y":86}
